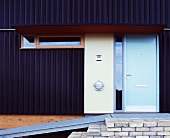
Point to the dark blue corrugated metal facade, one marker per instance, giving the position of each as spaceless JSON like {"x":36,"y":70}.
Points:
{"x":28,"y":12}
{"x":52,"y":81}
{"x":165,"y":71}
{"x":39,"y":81}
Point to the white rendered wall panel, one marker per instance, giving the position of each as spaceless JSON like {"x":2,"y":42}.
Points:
{"x":99,"y":101}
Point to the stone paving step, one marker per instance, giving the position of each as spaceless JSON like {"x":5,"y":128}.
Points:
{"x":128,"y":128}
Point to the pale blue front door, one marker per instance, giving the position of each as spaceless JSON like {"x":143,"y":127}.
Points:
{"x":140,"y":73}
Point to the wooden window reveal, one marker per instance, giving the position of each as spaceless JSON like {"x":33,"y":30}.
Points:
{"x":47,"y":42}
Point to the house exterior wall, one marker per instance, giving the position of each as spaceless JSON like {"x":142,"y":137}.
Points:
{"x":40,"y":81}
{"x":24,"y":74}
{"x":31,"y":12}
{"x":164,"y":67}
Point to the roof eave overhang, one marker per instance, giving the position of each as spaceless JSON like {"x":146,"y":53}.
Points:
{"x":82,"y":29}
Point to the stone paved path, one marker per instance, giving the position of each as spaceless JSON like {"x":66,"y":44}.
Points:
{"x":128,"y":128}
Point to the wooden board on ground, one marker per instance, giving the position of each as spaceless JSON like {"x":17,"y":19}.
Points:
{"x":13,"y":121}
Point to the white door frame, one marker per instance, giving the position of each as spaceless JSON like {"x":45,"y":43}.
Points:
{"x":124,"y":76}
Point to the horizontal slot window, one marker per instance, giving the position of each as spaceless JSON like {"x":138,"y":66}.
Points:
{"x":28,"y":42}
{"x":45,"y":42}
{"x":59,"y":41}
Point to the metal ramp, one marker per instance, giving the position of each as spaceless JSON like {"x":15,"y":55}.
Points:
{"x":53,"y":127}
{"x":73,"y":124}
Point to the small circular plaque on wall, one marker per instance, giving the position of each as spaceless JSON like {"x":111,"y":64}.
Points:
{"x":98,"y":85}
